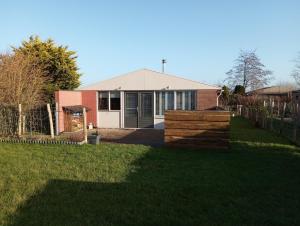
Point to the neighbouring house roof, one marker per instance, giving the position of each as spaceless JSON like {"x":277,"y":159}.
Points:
{"x":148,"y":80}
{"x":273,"y":90}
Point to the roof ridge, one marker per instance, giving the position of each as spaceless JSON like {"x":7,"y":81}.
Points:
{"x":114,"y":77}
{"x":149,"y":70}
{"x":176,"y":76}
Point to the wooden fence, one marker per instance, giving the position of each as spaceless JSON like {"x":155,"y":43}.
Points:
{"x":197,"y":129}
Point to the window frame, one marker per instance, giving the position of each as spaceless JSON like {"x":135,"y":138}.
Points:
{"x":116,"y":98}
{"x":182,"y":93}
{"x":99,"y":93}
{"x":109,"y":101}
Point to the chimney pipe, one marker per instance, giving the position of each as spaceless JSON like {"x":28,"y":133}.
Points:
{"x":163,"y":61}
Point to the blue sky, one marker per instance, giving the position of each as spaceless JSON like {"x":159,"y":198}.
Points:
{"x":199,"y":39}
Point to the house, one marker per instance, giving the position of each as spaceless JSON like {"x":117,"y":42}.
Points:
{"x":283,"y":92}
{"x":137,"y":99}
{"x":296,"y":96}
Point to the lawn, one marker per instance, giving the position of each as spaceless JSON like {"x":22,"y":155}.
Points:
{"x":256,"y":182}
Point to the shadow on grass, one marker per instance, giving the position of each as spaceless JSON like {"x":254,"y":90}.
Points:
{"x":176,"y":187}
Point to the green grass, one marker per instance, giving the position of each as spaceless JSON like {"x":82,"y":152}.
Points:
{"x":257,"y":182}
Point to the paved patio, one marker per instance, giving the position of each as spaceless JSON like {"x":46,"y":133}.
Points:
{"x":150,"y":137}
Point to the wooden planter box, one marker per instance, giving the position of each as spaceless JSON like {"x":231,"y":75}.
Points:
{"x":197,"y":129}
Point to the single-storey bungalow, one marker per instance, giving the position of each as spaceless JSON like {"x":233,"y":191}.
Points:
{"x":274,"y":92}
{"x":137,"y":99}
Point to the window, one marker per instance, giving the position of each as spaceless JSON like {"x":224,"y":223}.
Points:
{"x":188,"y":100}
{"x":179,"y":100}
{"x":185,"y":100}
{"x":193,"y":100}
{"x":103,"y":101}
{"x":109,"y":100}
{"x":115,"y":100}
{"x":164,"y":101}
{"x":169,"y":100}
{"x":160,"y":103}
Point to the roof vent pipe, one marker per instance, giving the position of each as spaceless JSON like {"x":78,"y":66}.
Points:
{"x":163,"y":62}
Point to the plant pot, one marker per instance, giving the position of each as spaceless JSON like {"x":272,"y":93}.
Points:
{"x":94,"y":139}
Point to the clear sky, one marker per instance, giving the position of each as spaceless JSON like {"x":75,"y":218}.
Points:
{"x":199,"y":39}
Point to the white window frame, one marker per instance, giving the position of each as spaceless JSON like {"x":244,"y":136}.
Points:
{"x":109,"y":109}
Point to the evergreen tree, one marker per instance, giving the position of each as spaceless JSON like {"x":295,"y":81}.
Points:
{"x":58,"y":63}
{"x":240,"y":90}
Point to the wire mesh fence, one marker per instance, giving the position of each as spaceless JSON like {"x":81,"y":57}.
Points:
{"x":15,"y":121}
{"x":279,"y":117}
{"x":9,"y":117}
{"x":41,"y":123}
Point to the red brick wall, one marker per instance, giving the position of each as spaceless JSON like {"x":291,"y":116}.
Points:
{"x":206,"y":99}
{"x":89,"y":99}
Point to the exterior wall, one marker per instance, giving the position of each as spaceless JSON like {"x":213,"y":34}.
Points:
{"x":109,"y":119}
{"x":296,"y":96}
{"x":206,"y":99}
{"x":89,"y":99}
{"x":159,"y":122}
{"x":66,"y":98}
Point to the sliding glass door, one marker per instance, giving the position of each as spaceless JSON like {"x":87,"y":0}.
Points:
{"x":139,"y":110}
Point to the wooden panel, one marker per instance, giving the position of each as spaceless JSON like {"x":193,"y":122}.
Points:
{"x":197,"y":125}
{"x":196,"y":133}
{"x":197,"y":129}
{"x":207,"y":118}
{"x":177,"y":112}
{"x":196,"y":140}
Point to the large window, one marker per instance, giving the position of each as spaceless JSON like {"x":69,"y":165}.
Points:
{"x":179,"y":100}
{"x":164,"y":101}
{"x":175,"y":100}
{"x":109,"y":100}
{"x":115,"y":100}
{"x":103,"y":101}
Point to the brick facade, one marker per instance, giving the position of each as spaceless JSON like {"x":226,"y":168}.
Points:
{"x":206,"y":99}
{"x":89,"y":99}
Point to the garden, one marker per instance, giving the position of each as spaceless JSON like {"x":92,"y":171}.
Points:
{"x":255,"y":182}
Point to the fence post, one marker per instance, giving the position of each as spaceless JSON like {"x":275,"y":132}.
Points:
{"x":23,"y":124}
{"x":295,"y":123}
{"x":272,"y":106}
{"x":84,"y":125}
{"x":50,"y":121}
{"x":282,"y":118}
{"x":20,"y":121}
{"x":56,"y":119}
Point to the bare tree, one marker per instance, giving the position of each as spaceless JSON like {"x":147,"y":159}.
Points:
{"x":248,"y":71}
{"x":21,"y":80}
{"x":296,"y":71}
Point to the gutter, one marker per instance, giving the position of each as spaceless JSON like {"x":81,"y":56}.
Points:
{"x":218,"y":97}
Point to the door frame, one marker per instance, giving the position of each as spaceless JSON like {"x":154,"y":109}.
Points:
{"x":138,"y":108}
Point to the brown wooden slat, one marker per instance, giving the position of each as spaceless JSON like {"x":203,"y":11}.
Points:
{"x":196,"y":125}
{"x":196,"y":140}
{"x":196,"y":133}
{"x":197,"y":112}
{"x":193,"y":117}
